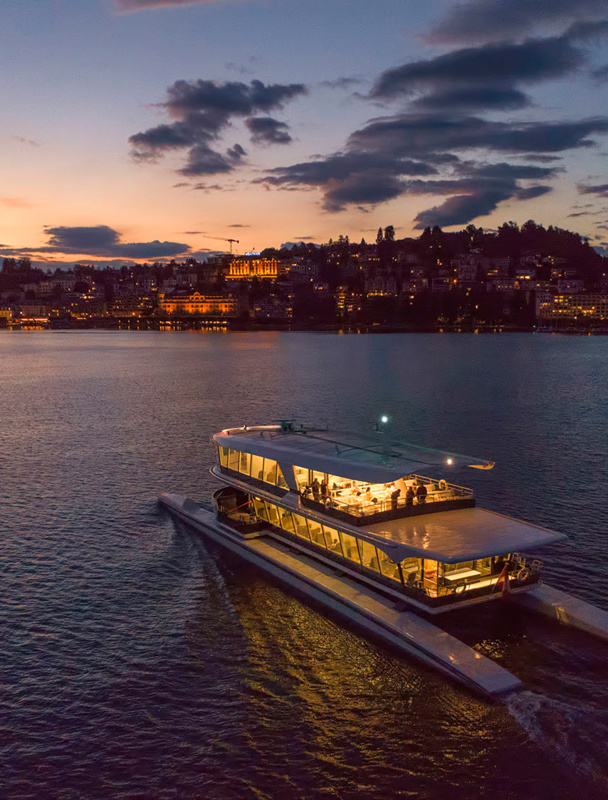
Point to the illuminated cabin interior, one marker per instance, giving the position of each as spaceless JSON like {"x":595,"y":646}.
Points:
{"x":363,"y":505}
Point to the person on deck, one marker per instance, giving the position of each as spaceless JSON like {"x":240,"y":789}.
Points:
{"x":316,"y":488}
{"x":409,"y":497}
{"x":421,"y":493}
{"x":395,"y":497}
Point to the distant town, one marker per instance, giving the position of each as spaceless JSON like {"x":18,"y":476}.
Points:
{"x":515,"y":278}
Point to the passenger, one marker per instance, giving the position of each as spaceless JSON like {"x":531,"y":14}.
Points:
{"x":395,"y":497}
{"x":409,"y":497}
{"x":324,"y":489}
{"x":421,"y":493}
{"x":316,"y":488}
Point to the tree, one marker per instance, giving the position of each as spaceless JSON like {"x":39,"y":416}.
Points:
{"x":379,"y":237}
{"x":389,"y":233}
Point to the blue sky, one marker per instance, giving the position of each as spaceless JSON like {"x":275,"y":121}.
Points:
{"x":161,"y":123}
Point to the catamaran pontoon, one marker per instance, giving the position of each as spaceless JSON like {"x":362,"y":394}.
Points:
{"x":352,"y":522}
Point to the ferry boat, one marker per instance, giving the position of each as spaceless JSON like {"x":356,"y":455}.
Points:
{"x":380,"y":533}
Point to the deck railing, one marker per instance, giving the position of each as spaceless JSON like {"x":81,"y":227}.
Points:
{"x":362,"y":508}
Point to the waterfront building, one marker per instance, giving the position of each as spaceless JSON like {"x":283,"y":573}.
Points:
{"x":195,"y":303}
{"x":578,"y":308}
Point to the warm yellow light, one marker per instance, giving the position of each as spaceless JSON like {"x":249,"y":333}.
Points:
{"x":450,"y":461}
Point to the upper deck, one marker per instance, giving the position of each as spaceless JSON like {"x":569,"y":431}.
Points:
{"x":360,"y":480}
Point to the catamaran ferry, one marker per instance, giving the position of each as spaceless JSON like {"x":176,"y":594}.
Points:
{"x":378,"y":532}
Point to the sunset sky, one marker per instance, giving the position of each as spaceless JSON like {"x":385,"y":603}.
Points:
{"x":140,"y":129}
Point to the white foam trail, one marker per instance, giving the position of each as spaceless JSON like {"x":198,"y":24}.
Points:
{"x":577,"y":735}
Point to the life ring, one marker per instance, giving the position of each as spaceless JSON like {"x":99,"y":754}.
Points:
{"x":523,"y":574}
{"x":442,"y":485}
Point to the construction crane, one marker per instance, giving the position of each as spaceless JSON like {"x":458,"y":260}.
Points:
{"x":222,"y":239}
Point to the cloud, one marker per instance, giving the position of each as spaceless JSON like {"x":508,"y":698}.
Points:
{"x":500,"y":64}
{"x":24,"y":140}
{"x":202,"y":110}
{"x":236,"y":225}
{"x":423,"y":134}
{"x":343,"y":84}
{"x":485,"y":20}
{"x":101,"y":241}
{"x":267,"y":130}
{"x":485,"y":97}
{"x":599,"y":189}
{"x":14,"y":202}
{"x":126,"y":6}
{"x":601,"y":74}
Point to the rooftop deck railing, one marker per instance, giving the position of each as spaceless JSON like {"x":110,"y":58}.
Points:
{"x":362,"y":507}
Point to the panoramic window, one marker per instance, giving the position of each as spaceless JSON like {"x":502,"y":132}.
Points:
{"x":349,"y":547}
{"x":223,"y":456}
{"x":257,"y":468}
{"x":369,"y":557}
{"x":316,"y":532}
{"x":387,"y":567}
{"x":233,"y":460}
{"x":301,"y":528}
{"x":332,"y":540}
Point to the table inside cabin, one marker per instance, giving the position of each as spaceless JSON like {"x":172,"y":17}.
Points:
{"x":458,"y":574}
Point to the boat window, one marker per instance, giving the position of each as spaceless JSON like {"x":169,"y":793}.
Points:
{"x":332,"y":540}
{"x":270,"y":471}
{"x":316,"y":532}
{"x":257,"y":468}
{"x":281,"y":482}
{"x":301,"y":477}
{"x":369,"y":557}
{"x":387,"y":567}
{"x":301,"y":528}
{"x":349,"y":547}
{"x":412,"y":570}
{"x":483,"y":566}
{"x":244,"y":463}
{"x":223,"y":455}
{"x":430,"y":577}
{"x":286,"y":520}
{"x":233,"y":460}
{"x":260,"y":508}
{"x":273,"y":514}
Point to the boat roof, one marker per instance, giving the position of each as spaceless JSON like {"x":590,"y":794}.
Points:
{"x":373,"y":459}
{"x":456,"y":536}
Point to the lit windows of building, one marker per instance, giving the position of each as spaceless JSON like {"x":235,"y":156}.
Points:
{"x":253,"y":266}
{"x":197,"y":304}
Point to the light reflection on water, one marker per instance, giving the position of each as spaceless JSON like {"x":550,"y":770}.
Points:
{"x":136,"y":661}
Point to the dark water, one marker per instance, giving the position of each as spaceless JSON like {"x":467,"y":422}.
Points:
{"x":136,"y":664}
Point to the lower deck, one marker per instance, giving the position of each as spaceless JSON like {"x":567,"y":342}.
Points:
{"x":427,"y":582}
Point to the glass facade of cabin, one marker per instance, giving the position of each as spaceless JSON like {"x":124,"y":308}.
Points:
{"x":428,"y":581}
{"x":357,"y":503}
{"x":263,"y":470}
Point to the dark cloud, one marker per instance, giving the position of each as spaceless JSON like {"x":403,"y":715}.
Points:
{"x":485,"y":97}
{"x":599,"y":189}
{"x":503,"y":64}
{"x":485,"y":20}
{"x":580,"y":214}
{"x":202,"y":110}
{"x":342,"y":83}
{"x":267,"y":130}
{"x":422,"y":134}
{"x":601,"y":74}
{"x":101,"y":240}
{"x":237,"y":225}
{"x":126,"y":6}
{"x":24,"y":140}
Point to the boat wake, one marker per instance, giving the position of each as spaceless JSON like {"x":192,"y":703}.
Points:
{"x":575,"y":734}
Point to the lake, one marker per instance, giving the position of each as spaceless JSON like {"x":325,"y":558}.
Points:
{"x":137,"y":663}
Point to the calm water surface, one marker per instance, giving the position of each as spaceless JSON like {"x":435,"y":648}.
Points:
{"x":135,"y":663}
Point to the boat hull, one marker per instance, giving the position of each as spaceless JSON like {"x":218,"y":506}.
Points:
{"x":359,"y":606}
